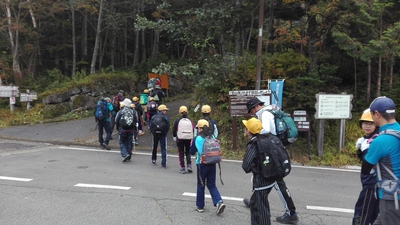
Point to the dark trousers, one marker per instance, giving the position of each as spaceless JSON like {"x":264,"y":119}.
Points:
{"x":367,"y":207}
{"x":184,"y":150}
{"x":162,"y":138}
{"x":104,"y":125}
{"x":259,"y":208}
{"x":125,"y":143}
{"x":206,"y":175}
{"x":285,"y":196}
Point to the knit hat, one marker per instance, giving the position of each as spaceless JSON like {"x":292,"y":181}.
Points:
{"x":126,"y":102}
{"x":383,"y":104}
{"x":253,"y":125}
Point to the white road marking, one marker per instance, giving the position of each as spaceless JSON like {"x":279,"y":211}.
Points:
{"x":15,"y":179}
{"x":322,"y":208}
{"x":102,"y":186}
{"x":209,"y":196}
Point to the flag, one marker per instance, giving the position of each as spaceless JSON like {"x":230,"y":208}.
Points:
{"x":276,"y":87}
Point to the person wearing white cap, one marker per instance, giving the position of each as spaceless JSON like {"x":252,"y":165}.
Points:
{"x":384,"y":153}
{"x":126,"y":121}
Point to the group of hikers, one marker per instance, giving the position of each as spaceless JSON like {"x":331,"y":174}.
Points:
{"x":379,"y":154}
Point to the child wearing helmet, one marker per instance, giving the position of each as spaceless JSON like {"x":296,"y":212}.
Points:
{"x":182,"y":132}
{"x":206,"y":110}
{"x":206,"y":173}
{"x":366,"y":209}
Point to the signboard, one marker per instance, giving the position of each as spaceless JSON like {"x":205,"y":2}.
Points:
{"x":12,"y":100}
{"x":25,"y":97}
{"x":333,"y":106}
{"x":238,"y":100}
{"x":301,"y":119}
{"x":9,"y":91}
{"x":163,"y":78}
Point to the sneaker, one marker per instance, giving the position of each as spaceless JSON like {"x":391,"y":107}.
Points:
{"x":129,"y":157}
{"x":104,"y":145}
{"x":200,"y":210}
{"x":182,"y":171}
{"x":246,"y":202}
{"x":101,"y":145}
{"x":189,"y":168}
{"x":163,"y":167}
{"x":288,"y":219}
{"x":126,"y":158}
{"x":220,"y":207}
{"x":153,"y":162}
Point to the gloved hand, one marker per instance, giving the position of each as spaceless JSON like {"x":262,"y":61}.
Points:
{"x":364,"y":145}
{"x":174,"y":138}
{"x":359,"y":142}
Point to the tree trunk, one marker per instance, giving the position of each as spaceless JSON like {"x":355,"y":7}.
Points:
{"x":97,"y":40}
{"x":14,"y":45}
{"x":379,"y":79}
{"x":73,"y":39}
{"x":369,"y":82}
{"x":355,"y":77}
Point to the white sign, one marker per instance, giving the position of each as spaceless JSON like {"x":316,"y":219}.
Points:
{"x":9,"y":91}
{"x":333,"y":106}
{"x":12,"y":100}
{"x":25,"y":97}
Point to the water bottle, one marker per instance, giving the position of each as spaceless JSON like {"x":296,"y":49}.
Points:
{"x":266,"y":161}
{"x":280,"y":128}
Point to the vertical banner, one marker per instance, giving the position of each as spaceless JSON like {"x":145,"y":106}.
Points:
{"x":276,"y":87}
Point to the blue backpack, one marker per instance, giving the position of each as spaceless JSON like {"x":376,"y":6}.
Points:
{"x":101,"y":111}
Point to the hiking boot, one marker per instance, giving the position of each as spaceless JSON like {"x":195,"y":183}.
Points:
{"x":246,"y":202}
{"x":104,"y":145}
{"x":288,"y":219}
{"x":220,"y":207}
{"x":189,"y":168}
{"x":200,"y":210}
{"x":126,"y":158}
{"x":182,"y":171}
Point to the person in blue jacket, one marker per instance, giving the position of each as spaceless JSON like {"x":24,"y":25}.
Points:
{"x":366,"y":209}
{"x":206,"y":173}
{"x":105,"y":125}
{"x":384,"y":153}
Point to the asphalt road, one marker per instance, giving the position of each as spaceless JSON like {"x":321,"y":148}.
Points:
{"x":43,"y":183}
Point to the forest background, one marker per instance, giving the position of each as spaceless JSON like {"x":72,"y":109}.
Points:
{"x":331,"y":46}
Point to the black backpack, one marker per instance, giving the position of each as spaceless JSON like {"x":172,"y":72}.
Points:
{"x":275,"y":161}
{"x":101,"y":111}
{"x":159,"y":124}
{"x":128,"y":118}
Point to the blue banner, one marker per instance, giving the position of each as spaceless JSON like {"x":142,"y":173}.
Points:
{"x":276,"y":87}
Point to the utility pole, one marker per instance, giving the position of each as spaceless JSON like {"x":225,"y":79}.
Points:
{"x":259,"y":44}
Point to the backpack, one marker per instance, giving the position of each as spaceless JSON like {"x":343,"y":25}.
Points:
{"x":275,"y":161}
{"x":285,"y":127}
{"x":128,"y":118}
{"x":152,"y":106}
{"x":158,"y":124}
{"x":156,"y":98}
{"x":211,"y":152}
{"x":115,"y":103}
{"x":101,"y":111}
{"x":389,"y":187}
{"x":185,"y":129}
{"x":143,"y":99}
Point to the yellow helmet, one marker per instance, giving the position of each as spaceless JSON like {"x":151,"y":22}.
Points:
{"x":146,"y":91}
{"x":151,"y":99}
{"x":183,"y":109}
{"x":135,"y":99}
{"x":366,"y":116}
{"x":201,"y":123}
{"x":162,"y":107}
{"x":206,"y":109}
{"x":253,"y":125}
{"x":133,"y":106}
